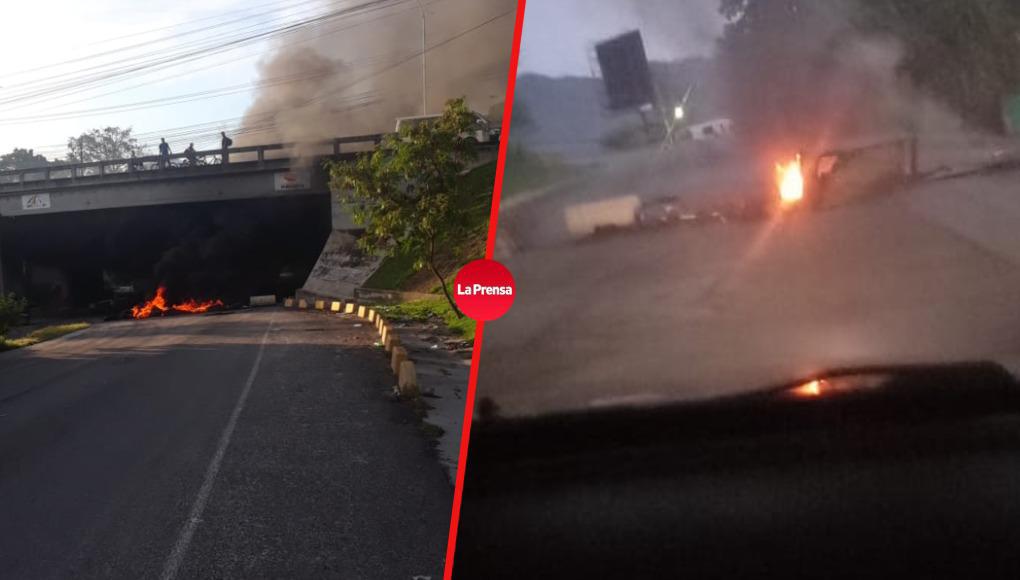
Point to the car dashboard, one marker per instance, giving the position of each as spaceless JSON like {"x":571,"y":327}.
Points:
{"x":918,"y":476}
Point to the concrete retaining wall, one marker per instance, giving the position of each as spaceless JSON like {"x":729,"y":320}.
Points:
{"x":341,"y":268}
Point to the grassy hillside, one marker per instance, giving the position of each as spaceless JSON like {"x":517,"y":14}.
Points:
{"x":398,"y":273}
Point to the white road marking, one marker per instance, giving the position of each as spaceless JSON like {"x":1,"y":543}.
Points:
{"x":176,"y":558}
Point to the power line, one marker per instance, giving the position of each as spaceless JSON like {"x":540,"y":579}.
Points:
{"x":267,"y":121}
{"x":182,"y":24}
{"x":189,"y":55}
{"x":328,"y":32}
{"x":150,"y":42}
{"x":210,"y":133}
{"x":164,"y":101}
{"x":414,"y":55}
{"x":63,"y":115}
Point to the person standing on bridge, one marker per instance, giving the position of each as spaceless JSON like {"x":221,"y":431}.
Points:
{"x":189,"y":154}
{"x":225,"y":144}
{"x":164,"y":153}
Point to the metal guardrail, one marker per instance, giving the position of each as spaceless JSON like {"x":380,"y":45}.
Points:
{"x":158,"y":163}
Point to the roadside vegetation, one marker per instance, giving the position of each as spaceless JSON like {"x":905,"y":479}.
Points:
{"x":431,"y":310}
{"x":420,"y":204}
{"x":963,"y":54}
{"x":527,"y":171}
{"x":12,"y":310}
{"x":41,"y":335}
{"x":401,"y":272}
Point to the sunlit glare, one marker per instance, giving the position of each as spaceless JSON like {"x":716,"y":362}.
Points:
{"x":791,"y":181}
{"x":809,"y":389}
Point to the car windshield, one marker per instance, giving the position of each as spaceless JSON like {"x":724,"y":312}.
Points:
{"x":735,"y":194}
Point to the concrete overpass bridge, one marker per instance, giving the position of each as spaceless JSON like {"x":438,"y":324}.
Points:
{"x":214,"y":175}
{"x":240,"y":175}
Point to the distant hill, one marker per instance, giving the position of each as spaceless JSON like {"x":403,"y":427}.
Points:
{"x":568,"y":116}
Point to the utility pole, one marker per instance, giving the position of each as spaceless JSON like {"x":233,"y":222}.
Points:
{"x":424,"y":92}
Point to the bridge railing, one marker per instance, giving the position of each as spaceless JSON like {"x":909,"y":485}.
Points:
{"x":157,"y":163}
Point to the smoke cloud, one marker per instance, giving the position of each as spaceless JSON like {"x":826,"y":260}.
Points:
{"x":358,"y":74}
{"x":806,"y":78}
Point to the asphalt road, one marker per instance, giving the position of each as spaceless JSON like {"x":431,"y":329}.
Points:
{"x":927,"y":275}
{"x":256,"y":444}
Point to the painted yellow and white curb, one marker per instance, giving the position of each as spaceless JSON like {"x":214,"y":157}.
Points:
{"x":400,"y":364}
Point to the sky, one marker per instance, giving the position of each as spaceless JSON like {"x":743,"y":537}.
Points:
{"x":70,"y":30}
{"x":60,"y":41}
{"x":559,"y":35}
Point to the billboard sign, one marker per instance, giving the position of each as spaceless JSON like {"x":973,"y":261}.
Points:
{"x":625,"y":71}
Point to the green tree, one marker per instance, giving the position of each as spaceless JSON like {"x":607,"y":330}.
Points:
{"x":967,"y":53}
{"x":102,"y":144}
{"x":410,"y":194}
{"x":782,"y":54}
{"x":22,"y":159}
{"x":11,"y":309}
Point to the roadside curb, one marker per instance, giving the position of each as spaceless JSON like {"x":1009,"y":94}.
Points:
{"x":401,"y":365}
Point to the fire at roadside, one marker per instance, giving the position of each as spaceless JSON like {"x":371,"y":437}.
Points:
{"x":789,"y":192}
{"x":158,"y":306}
{"x":799,"y":183}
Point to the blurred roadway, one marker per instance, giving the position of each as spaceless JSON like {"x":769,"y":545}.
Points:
{"x":930,"y":274}
{"x":117,"y":457}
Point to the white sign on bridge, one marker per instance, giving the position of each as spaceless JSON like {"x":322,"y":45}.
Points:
{"x":288,"y":180}
{"x":35,"y":201}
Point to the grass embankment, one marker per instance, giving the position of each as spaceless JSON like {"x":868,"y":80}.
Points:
{"x":428,"y":310}
{"x":398,"y":272}
{"x":527,"y":171}
{"x":41,"y":335}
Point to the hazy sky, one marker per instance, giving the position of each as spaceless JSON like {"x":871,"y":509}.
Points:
{"x":49,"y":43}
{"x":55,"y":32}
{"x":559,"y":35}
{"x":55,"y":41}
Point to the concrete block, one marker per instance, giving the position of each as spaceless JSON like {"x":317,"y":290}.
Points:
{"x":362,"y":311}
{"x":392,"y":341}
{"x":302,"y":303}
{"x":289,"y":303}
{"x":407,"y":379}
{"x":383,"y":331}
{"x":399,"y":356}
{"x":371,"y":314}
{"x":349,"y":308}
{"x":266,"y":300}
{"x":584,"y":218}
{"x":335,"y":306}
{"x":320,"y":304}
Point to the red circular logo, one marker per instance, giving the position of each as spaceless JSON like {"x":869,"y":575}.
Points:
{"x":484,"y":290}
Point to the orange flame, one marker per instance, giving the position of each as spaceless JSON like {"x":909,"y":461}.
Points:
{"x":790,"y":181}
{"x":193,"y":305}
{"x":158,"y":303}
{"x":809,"y":389}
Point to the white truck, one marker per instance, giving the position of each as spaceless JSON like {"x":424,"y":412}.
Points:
{"x":482,"y":132}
